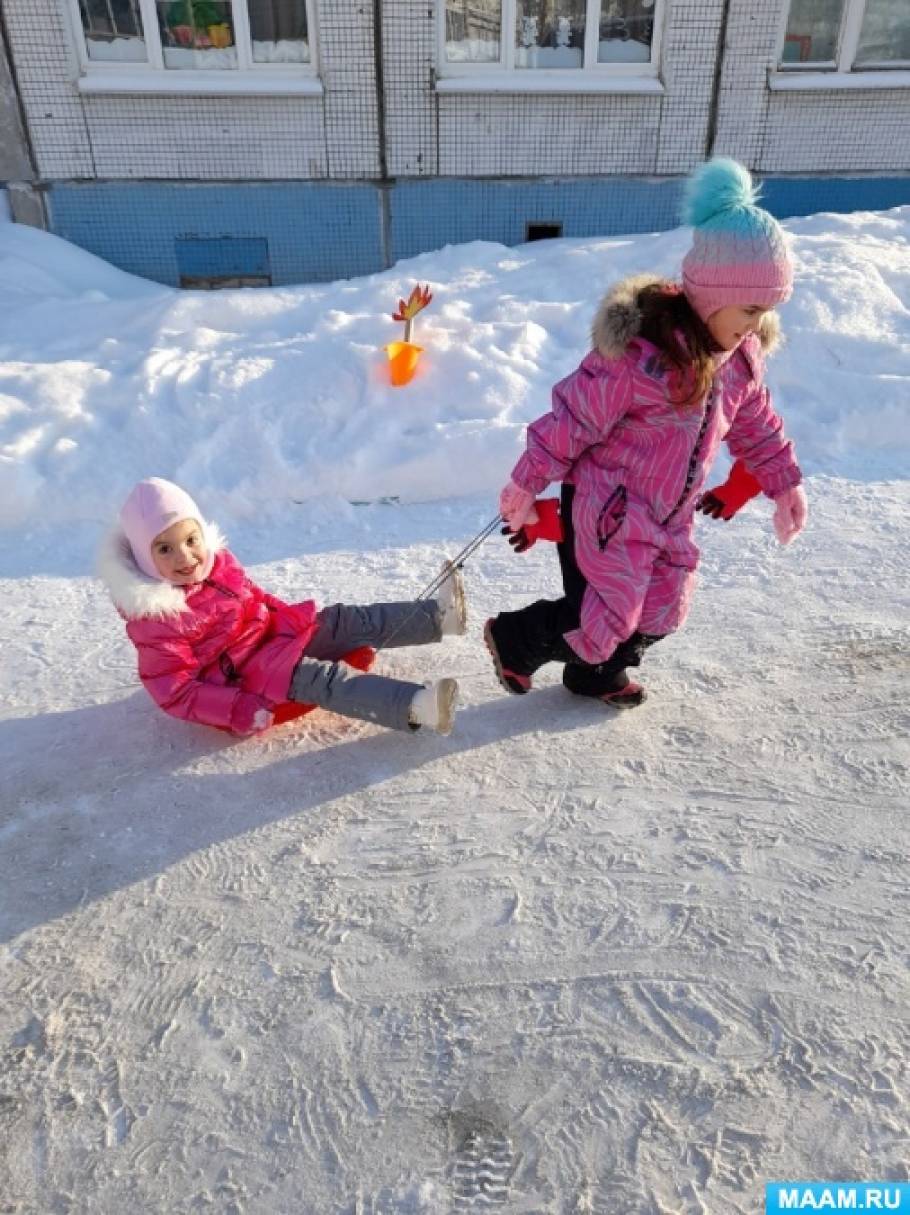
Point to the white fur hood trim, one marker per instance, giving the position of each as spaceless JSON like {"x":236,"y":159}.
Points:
{"x":134,"y":594}
{"x":618,"y":319}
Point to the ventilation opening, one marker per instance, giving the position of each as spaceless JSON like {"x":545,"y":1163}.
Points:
{"x":209,"y":263}
{"x":542,"y":231}
{"x":215,"y":282}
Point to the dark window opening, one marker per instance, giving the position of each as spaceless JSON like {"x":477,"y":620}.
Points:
{"x":543,"y":231}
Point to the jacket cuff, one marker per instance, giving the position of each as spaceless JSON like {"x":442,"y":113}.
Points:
{"x":776,"y":485}
{"x":525,"y":478}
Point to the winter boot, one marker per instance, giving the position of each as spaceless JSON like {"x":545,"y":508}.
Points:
{"x":510,"y":680}
{"x":453,"y":608}
{"x":610,"y":686}
{"x":434,"y":706}
{"x":629,"y":697}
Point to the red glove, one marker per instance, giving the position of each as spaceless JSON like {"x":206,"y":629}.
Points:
{"x":723,"y":501}
{"x":548,"y":526}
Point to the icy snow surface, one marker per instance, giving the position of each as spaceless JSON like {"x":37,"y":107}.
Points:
{"x":560,"y":962}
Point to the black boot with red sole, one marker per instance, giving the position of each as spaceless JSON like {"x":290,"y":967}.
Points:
{"x":512,"y":681}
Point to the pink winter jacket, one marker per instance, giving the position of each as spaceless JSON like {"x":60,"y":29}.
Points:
{"x":213,"y":653}
{"x":612,"y":422}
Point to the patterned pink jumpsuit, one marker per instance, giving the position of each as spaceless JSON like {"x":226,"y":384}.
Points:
{"x":637,"y":463}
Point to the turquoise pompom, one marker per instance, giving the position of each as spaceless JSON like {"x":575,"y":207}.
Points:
{"x":720,"y":185}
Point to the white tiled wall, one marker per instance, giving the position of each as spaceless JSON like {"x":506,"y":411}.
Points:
{"x":836,"y":132}
{"x":480,"y":135}
{"x":206,"y":137}
{"x":347,"y":67}
{"x":688,"y":56}
{"x":409,"y":56}
{"x":501,"y":135}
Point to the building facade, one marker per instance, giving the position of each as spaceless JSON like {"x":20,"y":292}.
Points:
{"x":222,"y":142}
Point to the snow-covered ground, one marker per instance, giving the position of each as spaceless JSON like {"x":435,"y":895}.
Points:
{"x":559,"y":962}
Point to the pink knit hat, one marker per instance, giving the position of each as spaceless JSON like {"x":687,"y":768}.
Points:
{"x":739,"y":253}
{"x":152,"y":507}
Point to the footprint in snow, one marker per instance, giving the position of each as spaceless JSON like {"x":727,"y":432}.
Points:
{"x":482,"y":1167}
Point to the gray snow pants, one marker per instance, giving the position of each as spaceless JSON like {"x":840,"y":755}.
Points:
{"x":320,"y":679}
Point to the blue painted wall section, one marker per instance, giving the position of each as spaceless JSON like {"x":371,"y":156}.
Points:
{"x":789,"y":196}
{"x":315,"y":232}
{"x":323,"y":231}
{"x":447,"y":211}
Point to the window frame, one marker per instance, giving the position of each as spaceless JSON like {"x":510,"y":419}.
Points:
{"x":847,"y":45}
{"x":504,"y":72}
{"x":152,"y":76}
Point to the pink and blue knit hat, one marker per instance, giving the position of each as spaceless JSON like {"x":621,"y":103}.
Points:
{"x":739,"y":253}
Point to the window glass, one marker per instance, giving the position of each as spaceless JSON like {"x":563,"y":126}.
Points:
{"x":279,"y":31}
{"x":812,"y":31}
{"x":549,"y":33}
{"x":885,"y":33}
{"x":113,"y":30}
{"x":473,"y":31}
{"x":626,"y":30}
{"x":197,"y":34}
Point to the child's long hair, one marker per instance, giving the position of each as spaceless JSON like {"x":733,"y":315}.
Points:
{"x":670,"y":323}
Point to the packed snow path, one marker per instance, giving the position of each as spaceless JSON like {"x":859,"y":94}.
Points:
{"x":563,"y":961}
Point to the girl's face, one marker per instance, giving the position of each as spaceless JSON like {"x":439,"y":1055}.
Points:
{"x":180,"y":553}
{"x":728,"y":326}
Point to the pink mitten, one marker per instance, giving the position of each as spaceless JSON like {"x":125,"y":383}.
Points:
{"x":791,"y":509}
{"x":516,"y":505}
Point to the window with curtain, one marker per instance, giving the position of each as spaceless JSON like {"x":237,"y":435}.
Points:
{"x":847,"y":35}
{"x":180,"y":35}
{"x":537,"y":35}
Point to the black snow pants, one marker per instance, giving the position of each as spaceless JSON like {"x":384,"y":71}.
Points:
{"x":534,"y":635}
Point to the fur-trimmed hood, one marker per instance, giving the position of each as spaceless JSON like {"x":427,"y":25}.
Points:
{"x":134,"y":594}
{"x":618,"y":319}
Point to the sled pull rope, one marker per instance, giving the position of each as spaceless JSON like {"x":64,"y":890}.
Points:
{"x":455,"y":563}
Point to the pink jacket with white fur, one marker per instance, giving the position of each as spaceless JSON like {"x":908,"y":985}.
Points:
{"x":213,"y":653}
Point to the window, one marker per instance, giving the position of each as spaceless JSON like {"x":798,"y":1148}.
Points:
{"x":618,"y":36}
{"x":847,"y":35}
{"x":113,"y":30}
{"x":180,"y":36}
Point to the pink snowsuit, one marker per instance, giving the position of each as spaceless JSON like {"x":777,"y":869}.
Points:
{"x":638,"y":462}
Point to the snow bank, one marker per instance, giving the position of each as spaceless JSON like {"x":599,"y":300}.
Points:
{"x":255,"y":398}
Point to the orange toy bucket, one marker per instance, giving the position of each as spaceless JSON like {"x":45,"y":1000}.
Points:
{"x":403,"y":357}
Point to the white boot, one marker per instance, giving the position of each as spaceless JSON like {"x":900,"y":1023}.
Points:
{"x":452,"y":604}
{"x":434,"y":706}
